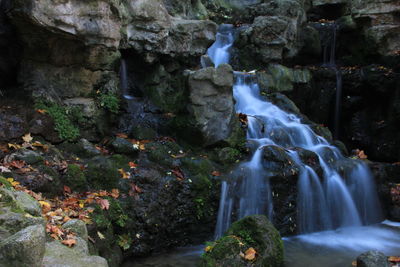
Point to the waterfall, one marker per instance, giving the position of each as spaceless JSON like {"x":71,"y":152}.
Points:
{"x":123,"y":75}
{"x":328,"y":33}
{"x":331,"y":201}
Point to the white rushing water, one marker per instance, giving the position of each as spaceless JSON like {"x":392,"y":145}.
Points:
{"x":331,"y":201}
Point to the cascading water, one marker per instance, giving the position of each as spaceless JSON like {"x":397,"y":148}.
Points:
{"x":328,"y":202}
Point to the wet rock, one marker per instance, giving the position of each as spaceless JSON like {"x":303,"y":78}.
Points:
{"x":372,"y":259}
{"x":211,"y":104}
{"x":57,"y":254}
{"x":383,"y":29}
{"x":123,"y":146}
{"x":251,"y":232}
{"x":25,"y":248}
{"x":78,"y":227}
{"x":12,"y":126}
{"x":273,"y":35}
{"x":27,"y":203}
{"x":159,"y":33}
{"x":86,"y":149}
{"x":278,"y":78}
{"x":29,"y":156}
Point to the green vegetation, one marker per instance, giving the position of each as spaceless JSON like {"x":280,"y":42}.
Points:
{"x":109,"y":101}
{"x":64,"y":125}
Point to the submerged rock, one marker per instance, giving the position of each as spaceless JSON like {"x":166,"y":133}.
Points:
{"x":372,"y":259}
{"x":251,"y":234}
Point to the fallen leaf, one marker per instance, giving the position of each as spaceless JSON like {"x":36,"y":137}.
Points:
{"x":121,"y":135}
{"x":133,"y":165}
{"x":104,"y":204}
{"x":394,"y":259}
{"x":67,"y":189}
{"x":18,"y":164}
{"x":125,"y":175}
{"x":216,"y":173}
{"x":100,"y":235}
{"x":41,"y":111}
{"x":15,"y":146}
{"x":250,"y":254}
{"x":27,"y":138}
{"x":114,"y":193}
{"x":69,"y":242}
{"x":208,"y":248}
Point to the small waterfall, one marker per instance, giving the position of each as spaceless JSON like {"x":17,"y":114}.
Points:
{"x":219,"y":51}
{"x":331,"y":201}
{"x":123,"y":75}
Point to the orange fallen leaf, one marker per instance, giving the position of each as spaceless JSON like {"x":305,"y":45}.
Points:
{"x":114,"y":193}
{"x":394,"y":259}
{"x":216,"y":173}
{"x":41,"y":111}
{"x":67,"y":189}
{"x":133,"y":165}
{"x":69,"y":242}
{"x":121,"y":135}
{"x":250,"y":254}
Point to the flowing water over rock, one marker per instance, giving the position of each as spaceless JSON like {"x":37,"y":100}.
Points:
{"x":328,"y":202}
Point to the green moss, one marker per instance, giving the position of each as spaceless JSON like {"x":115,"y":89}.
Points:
{"x":161,"y":153}
{"x":75,"y":178}
{"x":109,"y":101}
{"x":66,"y":129}
{"x":237,"y":139}
{"x":197,"y":166}
{"x":116,"y":213}
{"x":201,"y":190}
{"x":102,"y":173}
{"x":5,"y":182}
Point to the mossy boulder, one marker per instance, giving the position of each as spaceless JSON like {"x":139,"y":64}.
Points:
{"x":75,"y":178}
{"x":121,"y":145}
{"x":255,"y":232}
{"x":102,"y":173}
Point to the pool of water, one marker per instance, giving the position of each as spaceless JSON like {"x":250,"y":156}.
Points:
{"x":329,"y":249}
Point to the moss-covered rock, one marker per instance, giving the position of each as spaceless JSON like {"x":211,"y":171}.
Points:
{"x":251,"y":232}
{"x":121,"y":145}
{"x":75,"y":178}
{"x":102,"y":173}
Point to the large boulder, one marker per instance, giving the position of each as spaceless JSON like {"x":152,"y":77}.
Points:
{"x":25,"y":248}
{"x":152,"y":31}
{"x":274,"y":34}
{"x":57,"y":254}
{"x":211,"y":103}
{"x":254,"y":233}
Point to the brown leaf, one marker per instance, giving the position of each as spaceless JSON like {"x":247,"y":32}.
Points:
{"x":104,"y":204}
{"x":178,"y":173}
{"x":69,"y":242}
{"x":114,"y":193}
{"x":67,"y":189}
{"x":121,"y":135}
{"x":216,"y":173}
{"x":18,"y":164}
{"x":394,"y":259}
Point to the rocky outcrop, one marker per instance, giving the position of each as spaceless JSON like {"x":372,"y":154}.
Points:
{"x":273,"y":35}
{"x":23,"y":236}
{"x":211,"y":103}
{"x":253,"y":233}
{"x":382,"y":24}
